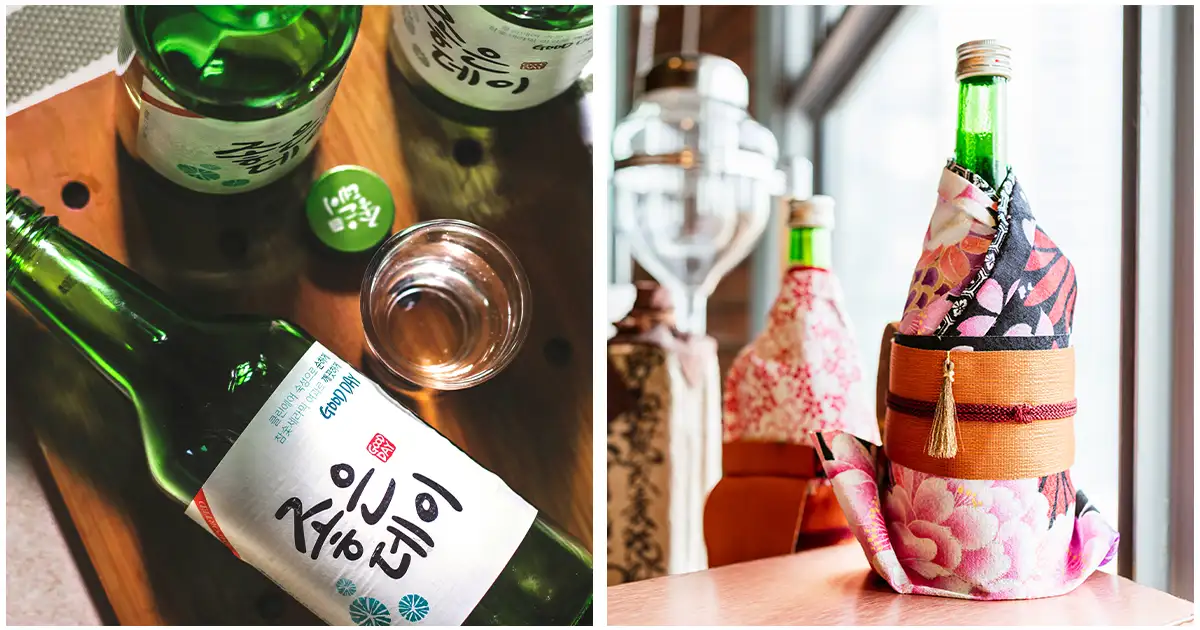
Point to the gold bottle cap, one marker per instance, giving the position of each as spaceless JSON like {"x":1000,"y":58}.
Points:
{"x":983,"y":58}
{"x":816,"y":211}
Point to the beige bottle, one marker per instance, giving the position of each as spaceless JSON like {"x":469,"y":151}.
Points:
{"x":664,"y":441}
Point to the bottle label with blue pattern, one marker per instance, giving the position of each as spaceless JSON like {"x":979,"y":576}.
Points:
{"x":357,"y":508}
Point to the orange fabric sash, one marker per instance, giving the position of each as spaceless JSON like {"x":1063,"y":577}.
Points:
{"x":770,"y":459}
{"x":1021,"y":448}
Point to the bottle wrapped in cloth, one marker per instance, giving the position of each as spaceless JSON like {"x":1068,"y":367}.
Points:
{"x":971,"y":494}
{"x":801,"y":375}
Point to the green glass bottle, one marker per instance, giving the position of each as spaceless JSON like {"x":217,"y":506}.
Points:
{"x":984,"y":69}
{"x":810,"y":238}
{"x":492,"y":58}
{"x":226,"y":99}
{"x":221,"y":402}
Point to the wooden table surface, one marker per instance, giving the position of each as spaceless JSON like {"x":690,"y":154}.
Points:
{"x":835,"y":586}
{"x":528,"y":180}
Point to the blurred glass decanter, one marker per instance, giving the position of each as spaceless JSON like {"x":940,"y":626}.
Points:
{"x":693,"y":177}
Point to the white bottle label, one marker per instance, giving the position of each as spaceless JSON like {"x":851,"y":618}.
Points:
{"x":478,"y":59}
{"x":357,"y":508}
{"x":222,"y":156}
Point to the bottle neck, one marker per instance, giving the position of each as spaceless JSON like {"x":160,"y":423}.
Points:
{"x":981,"y":140}
{"x":117,"y":321}
{"x":810,"y":247}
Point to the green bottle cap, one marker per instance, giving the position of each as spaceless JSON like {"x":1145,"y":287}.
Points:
{"x":350,"y":209}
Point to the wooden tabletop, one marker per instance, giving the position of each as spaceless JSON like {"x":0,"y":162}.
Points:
{"x":835,"y":586}
{"x":527,"y":180}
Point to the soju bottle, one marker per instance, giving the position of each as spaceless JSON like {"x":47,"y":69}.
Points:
{"x":984,"y":69}
{"x":226,"y":99}
{"x":294,"y":460}
{"x":492,"y":58}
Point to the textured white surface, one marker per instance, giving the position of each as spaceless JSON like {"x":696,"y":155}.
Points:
{"x":97,"y":68}
{"x":42,"y":583}
{"x":51,"y":48}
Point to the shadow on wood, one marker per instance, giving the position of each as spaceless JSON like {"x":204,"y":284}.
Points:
{"x":525,"y":176}
{"x":217,"y":254}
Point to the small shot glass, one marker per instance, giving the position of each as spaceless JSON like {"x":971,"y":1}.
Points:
{"x":445,"y":305}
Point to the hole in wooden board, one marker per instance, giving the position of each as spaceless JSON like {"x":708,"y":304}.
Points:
{"x":468,"y":152}
{"x":76,"y":195}
{"x":233,"y":245}
{"x":557,"y":351}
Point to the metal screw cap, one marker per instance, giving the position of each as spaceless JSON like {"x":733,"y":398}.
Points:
{"x":983,"y":57}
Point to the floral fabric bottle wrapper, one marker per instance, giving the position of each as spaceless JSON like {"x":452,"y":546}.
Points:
{"x":1006,"y":523}
{"x":663,"y":443}
{"x":801,"y":375}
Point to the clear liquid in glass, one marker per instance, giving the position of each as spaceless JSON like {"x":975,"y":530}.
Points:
{"x":444,"y":305}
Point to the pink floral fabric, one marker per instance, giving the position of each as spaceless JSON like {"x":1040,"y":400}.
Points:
{"x":973,"y":539}
{"x":958,"y":236}
{"x":802,"y":373}
{"x":969,"y":539}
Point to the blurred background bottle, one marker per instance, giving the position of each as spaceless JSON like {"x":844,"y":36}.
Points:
{"x":799,"y":376}
{"x":693,"y":178}
{"x":492,"y":58}
{"x":664,"y":441}
{"x":227,"y":99}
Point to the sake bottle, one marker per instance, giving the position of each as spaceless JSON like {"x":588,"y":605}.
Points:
{"x":664,"y":440}
{"x":799,"y":376}
{"x":227,"y":99}
{"x":983,"y":71}
{"x":294,"y":460}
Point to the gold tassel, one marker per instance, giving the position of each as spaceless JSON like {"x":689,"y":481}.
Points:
{"x":943,"y":438}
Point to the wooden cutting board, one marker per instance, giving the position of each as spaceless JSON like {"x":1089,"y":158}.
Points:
{"x":527,"y":179}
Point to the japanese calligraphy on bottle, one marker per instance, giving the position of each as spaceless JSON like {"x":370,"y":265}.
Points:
{"x":364,"y":513}
{"x":222,"y":156}
{"x":478,"y":59}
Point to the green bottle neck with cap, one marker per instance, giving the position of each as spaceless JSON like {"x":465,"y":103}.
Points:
{"x":810,"y":247}
{"x":981,"y":139}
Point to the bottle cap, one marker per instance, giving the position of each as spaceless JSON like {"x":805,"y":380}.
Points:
{"x":350,"y":209}
{"x":816,"y":212}
{"x":983,"y":58}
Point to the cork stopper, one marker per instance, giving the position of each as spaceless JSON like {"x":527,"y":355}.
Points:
{"x":816,"y":211}
{"x":983,"y":58}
